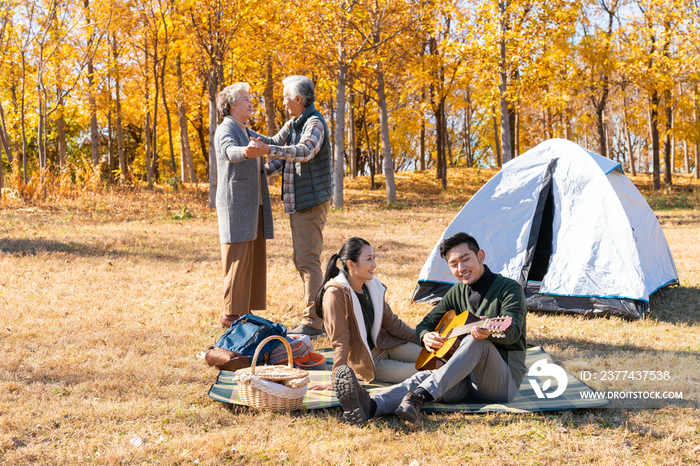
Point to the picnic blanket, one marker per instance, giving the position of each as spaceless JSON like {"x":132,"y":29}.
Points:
{"x":225,"y":390}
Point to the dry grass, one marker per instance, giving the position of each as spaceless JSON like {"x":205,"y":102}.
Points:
{"x":105,"y":303}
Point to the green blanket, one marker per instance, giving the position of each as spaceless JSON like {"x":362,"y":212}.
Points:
{"x":225,"y":390}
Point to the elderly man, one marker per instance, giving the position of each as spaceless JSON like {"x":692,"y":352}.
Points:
{"x":243,"y":207}
{"x":307,"y":187}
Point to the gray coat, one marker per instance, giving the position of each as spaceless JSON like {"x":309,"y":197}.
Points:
{"x":237,"y":190}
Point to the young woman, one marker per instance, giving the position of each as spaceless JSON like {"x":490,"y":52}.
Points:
{"x":364,"y":333}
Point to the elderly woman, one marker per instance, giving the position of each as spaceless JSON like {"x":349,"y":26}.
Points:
{"x":242,"y":205}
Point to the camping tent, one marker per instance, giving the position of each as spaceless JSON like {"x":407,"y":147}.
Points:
{"x":570,"y":227}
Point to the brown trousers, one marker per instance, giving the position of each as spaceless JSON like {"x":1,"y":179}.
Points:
{"x":245,"y":273}
{"x":307,"y":241}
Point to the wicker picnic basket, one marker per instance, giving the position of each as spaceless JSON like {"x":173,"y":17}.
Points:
{"x":263,"y":388}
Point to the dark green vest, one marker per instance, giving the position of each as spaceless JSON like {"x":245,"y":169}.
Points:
{"x":313,"y":180}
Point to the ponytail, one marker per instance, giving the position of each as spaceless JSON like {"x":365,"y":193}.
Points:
{"x":332,"y":271}
{"x":350,"y":251}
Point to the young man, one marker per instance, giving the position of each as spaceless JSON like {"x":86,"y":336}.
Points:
{"x":483,"y":368}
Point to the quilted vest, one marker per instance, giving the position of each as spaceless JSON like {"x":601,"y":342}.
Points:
{"x":313,"y":180}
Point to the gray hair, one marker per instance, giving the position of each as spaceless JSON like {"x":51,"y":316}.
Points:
{"x":300,"y":86}
{"x":229,"y":96}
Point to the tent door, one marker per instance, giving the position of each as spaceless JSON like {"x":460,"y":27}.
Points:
{"x":543,"y":249}
{"x":539,"y":248}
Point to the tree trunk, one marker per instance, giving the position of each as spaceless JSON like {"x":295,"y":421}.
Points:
{"x":187,"y":172}
{"x":628,"y":135}
{"x":2,"y":164}
{"x":370,"y":158}
{"x":149,"y":134}
{"x":3,"y":146}
{"x":213,"y":180}
{"x":496,"y":138}
{"x":61,"y":137}
{"x":503,"y":87}
{"x":606,"y":134}
{"x":2,"y":169}
{"x":654,"y":130}
{"x":120,"y":131}
{"x":352,"y":143}
{"x":421,"y":160}
{"x":332,"y":129}
{"x":439,"y":134}
{"x":600,"y":125}
{"x":516,"y":134}
{"x":110,"y":132}
{"x":149,"y":175}
{"x":512,"y":118}
{"x":339,"y":156}
{"x":696,"y":118}
{"x":94,"y":136}
{"x":110,"y":139}
{"x":686,"y":158}
{"x":5,"y":136}
{"x":674,"y":147}
{"x":448,"y":146}
{"x":544,"y":124}
{"x":386,"y":143}
{"x":198,"y":124}
{"x":668,"y":164}
{"x":377,"y":157}
{"x":22,"y":118}
{"x":269,"y":96}
{"x":468,"y":132}
{"x":173,"y":165}
{"x":154,"y":135}
{"x":40,"y":140}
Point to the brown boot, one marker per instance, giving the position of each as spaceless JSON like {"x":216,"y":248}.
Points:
{"x":228,"y":320}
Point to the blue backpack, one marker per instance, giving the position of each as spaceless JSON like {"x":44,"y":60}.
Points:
{"x":246,"y":333}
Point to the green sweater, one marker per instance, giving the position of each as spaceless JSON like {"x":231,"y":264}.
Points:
{"x":504,"y":298}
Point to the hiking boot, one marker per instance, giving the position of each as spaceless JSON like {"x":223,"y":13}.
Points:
{"x":303,"y":329}
{"x":410,"y":406}
{"x":354,"y":399}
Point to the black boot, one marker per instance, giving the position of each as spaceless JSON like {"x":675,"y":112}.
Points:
{"x":355,"y":400}
{"x":410,"y":406}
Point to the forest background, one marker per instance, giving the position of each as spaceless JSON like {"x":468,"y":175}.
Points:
{"x":98,"y":95}
{"x":122,"y":91}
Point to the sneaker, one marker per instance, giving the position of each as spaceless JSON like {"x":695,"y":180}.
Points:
{"x":410,"y":407}
{"x":354,"y":399}
{"x":303,"y":329}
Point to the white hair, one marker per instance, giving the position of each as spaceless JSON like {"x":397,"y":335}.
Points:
{"x":300,"y":86}
{"x":229,"y":95}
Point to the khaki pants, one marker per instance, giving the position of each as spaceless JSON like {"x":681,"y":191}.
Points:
{"x":245,"y":274}
{"x":307,"y":241}
{"x":394,"y":365}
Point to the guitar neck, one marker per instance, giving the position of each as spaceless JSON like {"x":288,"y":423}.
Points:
{"x":464,"y":329}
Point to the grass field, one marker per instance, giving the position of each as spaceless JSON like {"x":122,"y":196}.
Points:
{"x":106,"y":303}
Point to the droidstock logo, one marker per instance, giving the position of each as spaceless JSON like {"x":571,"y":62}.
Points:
{"x":543,"y":369}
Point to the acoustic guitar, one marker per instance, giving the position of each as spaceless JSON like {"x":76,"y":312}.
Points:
{"x":452,"y":328}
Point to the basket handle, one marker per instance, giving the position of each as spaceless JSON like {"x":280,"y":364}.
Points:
{"x":263,"y":343}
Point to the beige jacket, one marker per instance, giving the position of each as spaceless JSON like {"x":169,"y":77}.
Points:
{"x":345,"y":326}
